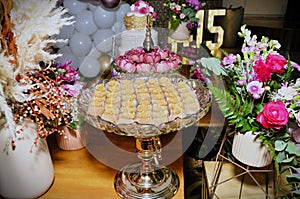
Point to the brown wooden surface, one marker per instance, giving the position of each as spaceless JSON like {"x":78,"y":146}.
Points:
{"x":80,"y":175}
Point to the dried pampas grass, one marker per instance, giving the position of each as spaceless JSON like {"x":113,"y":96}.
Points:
{"x":33,"y":23}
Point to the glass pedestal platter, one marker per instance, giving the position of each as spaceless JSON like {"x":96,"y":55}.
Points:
{"x":147,"y":178}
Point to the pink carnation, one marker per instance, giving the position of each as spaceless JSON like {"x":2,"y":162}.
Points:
{"x":262,"y":71}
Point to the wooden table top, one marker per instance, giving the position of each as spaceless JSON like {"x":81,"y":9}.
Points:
{"x":78,"y":174}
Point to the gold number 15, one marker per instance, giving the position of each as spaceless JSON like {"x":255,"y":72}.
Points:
{"x":218,"y":30}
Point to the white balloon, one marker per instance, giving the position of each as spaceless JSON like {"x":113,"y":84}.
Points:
{"x":91,"y":6}
{"x":80,"y":44}
{"x":65,"y":50}
{"x":60,"y":44}
{"x":103,"y":40}
{"x":104,"y":18}
{"x":117,"y":27}
{"x":90,"y":67}
{"x":121,"y":12}
{"x":94,"y":53}
{"x":75,"y":6}
{"x":85,"y":22}
{"x":66,"y":32}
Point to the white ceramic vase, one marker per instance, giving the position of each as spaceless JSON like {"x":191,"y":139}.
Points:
{"x":181,"y":32}
{"x":70,"y":139}
{"x":27,"y":171}
{"x":248,"y":149}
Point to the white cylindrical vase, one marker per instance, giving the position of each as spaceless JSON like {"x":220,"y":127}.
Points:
{"x":250,"y":150}
{"x":26,"y":171}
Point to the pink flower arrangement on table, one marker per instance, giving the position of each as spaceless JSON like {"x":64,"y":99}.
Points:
{"x":53,"y":98}
{"x":184,"y":11}
{"x":262,"y":95}
{"x":143,"y":8}
{"x":138,"y":60}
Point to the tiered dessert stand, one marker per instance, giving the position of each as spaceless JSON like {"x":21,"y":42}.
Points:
{"x":147,"y":178}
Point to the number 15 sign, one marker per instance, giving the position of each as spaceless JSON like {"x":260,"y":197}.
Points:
{"x":208,"y":24}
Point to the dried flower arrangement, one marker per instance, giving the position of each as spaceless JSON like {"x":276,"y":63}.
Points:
{"x":27,"y":90}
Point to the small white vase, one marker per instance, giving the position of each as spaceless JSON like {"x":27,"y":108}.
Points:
{"x":70,"y":139}
{"x":27,"y":171}
{"x":181,"y":32}
{"x":248,"y":149}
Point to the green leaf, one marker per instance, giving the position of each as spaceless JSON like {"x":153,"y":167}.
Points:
{"x":285,"y":168}
{"x":229,"y":113}
{"x":73,"y":126}
{"x":280,"y":145}
{"x":296,"y":192}
{"x":280,"y":157}
{"x":293,"y":177}
{"x":288,"y":160}
{"x":292,"y":149}
{"x":213,"y":64}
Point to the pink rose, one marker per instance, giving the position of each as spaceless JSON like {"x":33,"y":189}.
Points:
{"x":161,"y":67}
{"x":154,"y":15}
{"x":148,"y":58}
{"x":143,"y":10}
{"x":164,"y":54}
{"x":156,"y":57}
{"x":134,"y":57}
{"x":175,"y":58}
{"x":152,"y":57}
{"x":119,"y":59}
{"x":143,"y":68}
{"x":126,"y":65}
{"x":276,"y":63}
{"x":274,"y":115}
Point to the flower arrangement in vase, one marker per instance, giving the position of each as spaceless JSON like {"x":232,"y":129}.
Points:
{"x":68,"y":137}
{"x":262,"y":96}
{"x":33,"y":101}
{"x":29,"y":89}
{"x":184,"y":11}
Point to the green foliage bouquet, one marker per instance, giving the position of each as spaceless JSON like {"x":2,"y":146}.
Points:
{"x":262,"y":95}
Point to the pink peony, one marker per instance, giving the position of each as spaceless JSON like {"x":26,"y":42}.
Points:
{"x":274,"y":115}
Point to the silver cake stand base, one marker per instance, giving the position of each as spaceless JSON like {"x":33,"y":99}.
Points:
{"x":147,"y":179}
{"x":161,"y":182}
